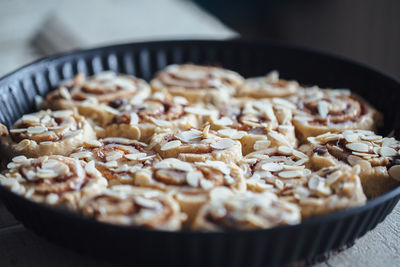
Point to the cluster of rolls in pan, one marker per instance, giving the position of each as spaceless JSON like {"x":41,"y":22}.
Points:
{"x":199,"y":148}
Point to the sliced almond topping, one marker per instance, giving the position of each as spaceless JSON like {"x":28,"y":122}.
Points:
{"x":232,"y":133}
{"x":189,"y":136}
{"x":62,"y":113}
{"x":30,"y":118}
{"x":65,"y":93}
{"x":135,"y":156}
{"x":223,"y":143}
{"x":299,"y":154}
{"x":93,"y":143}
{"x":206,"y":131}
{"x":206,"y":184}
{"x":387,"y":152}
{"x":224,"y":121}
{"x":198,"y":111}
{"x":19,"y":159}
{"x":115,"y":155}
{"x":18,"y":130}
{"x":37,"y":129}
{"x":111,"y":164}
{"x":171,"y":145}
{"x":285,"y":150}
{"x":193,"y":178}
{"x":352,"y":160}
{"x":314,"y":182}
{"x":395,"y":172}
{"x":279,"y":137}
{"x":160,"y":123}
{"x":148,"y":203}
{"x":172,"y":163}
{"x":359,"y":147}
{"x":351,"y":137}
{"x":293,"y":167}
{"x":134,"y":119}
{"x":220,"y":193}
{"x":46,"y":173}
{"x":323,"y":108}
{"x":290,"y":174}
{"x":371,"y":137}
{"x":52,"y":198}
{"x":272,"y":167}
{"x":261,"y":144}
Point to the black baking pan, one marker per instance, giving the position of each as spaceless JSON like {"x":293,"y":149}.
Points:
{"x":143,"y":247}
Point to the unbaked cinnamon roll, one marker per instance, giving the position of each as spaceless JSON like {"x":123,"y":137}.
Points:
{"x":97,"y":97}
{"x":378,"y":157}
{"x":196,"y":145}
{"x":266,"y":122}
{"x":268,"y":86}
{"x":198,"y":83}
{"x":320,"y":111}
{"x":159,"y":113}
{"x":132,"y":206}
{"x":54,"y":180}
{"x":191,"y":182}
{"x":276,"y":169}
{"x":327,"y":190}
{"x":118,"y":159}
{"x":226,"y":210}
{"x":46,"y":133}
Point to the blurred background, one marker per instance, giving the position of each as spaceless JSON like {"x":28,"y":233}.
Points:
{"x":365,"y":30}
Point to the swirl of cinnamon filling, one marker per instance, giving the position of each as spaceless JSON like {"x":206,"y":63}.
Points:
{"x":55,"y":180}
{"x":127,"y":205}
{"x":319,"y":111}
{"x":97,"y":96}
{"x":191,"y":182}
{"x":378,"y":157}
{"x":141,"y":120}
{"x":226,"y":210}
{"x":252,"y":121}
{"x":268,"y":86}
{"x":277,"y":169}
{"x":198,"y":83}
{"x":327,"y":190}
{"x":47,"y":133}
{"x":116,"y":158}
{"x":196,"y":145}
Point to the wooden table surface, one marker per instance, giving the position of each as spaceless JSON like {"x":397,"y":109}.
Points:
{"x":22,"y":19}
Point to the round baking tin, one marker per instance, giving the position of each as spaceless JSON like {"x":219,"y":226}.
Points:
{"x":143,"y":247}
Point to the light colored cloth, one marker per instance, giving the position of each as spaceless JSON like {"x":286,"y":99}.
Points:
{"x":33,"y":29}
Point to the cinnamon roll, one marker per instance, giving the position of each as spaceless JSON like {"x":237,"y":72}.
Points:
{"x":226,"y":210}
{"x":320,"y":111}
{"x":378,"y":157}
{"x":191,"y":182}
{"x":159,"y":113}
{"x":265,"y":122}
{"x":132,"y":206}
{"x":196,"y":145}
{"x":268,"y":86}
{"x":54,"y":180}
{"x":118,"y":159}
{"x":46,"y":133}
{"x":327,"y":190}
{"x":97,"y":97}
{"x":198,"y":83}
{"x":276,"y":169}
